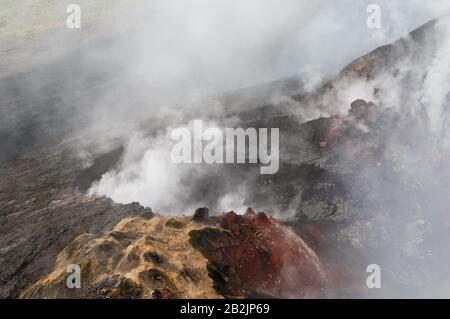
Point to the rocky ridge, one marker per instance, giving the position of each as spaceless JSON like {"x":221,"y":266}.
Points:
{"x":233,"y":256}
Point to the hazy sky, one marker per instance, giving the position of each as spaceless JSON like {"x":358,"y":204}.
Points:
{"x":223,"y":44}
{"x":228,"y":44}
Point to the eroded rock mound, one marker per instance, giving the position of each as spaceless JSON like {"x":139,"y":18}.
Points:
{"x":182,"y":257}
{"x":253,"y":253}
{"x":139,"y":259}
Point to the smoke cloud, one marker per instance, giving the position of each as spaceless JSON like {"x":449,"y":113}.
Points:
{"x":178,"y":55}
{"x":145,"y":68}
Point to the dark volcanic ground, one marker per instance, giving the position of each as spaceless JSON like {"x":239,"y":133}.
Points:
{"x":329,"y":175}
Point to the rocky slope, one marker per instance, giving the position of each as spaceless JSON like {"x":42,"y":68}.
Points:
{"x":41,"y":212}
{"x":182,"y":257}
{"x":353,"y":201}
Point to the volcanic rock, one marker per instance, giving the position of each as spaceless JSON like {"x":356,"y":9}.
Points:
{"x":230,"y":256}
{"x":201,"y":214}
{"x":42,"y":208}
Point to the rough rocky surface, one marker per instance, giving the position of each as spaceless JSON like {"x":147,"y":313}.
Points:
{"x":329,"y":180}
{"x":139,"y":258}
{"x":181,"y":257}
{"x":41,"y":212}
{"x":256,"y":254}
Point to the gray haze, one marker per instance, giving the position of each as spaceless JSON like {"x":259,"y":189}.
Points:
{"x":151,"y":66}
{"x":179,"y":53}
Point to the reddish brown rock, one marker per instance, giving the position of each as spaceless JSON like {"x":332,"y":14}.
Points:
{"x":176,"y":257}
{"x":254,"y":253}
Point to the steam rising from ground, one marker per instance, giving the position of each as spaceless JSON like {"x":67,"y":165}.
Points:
{"x":407,"y":228}
{"x":182,"y":53}
{"x":410,"y":204}
{"x":164,"y":61}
